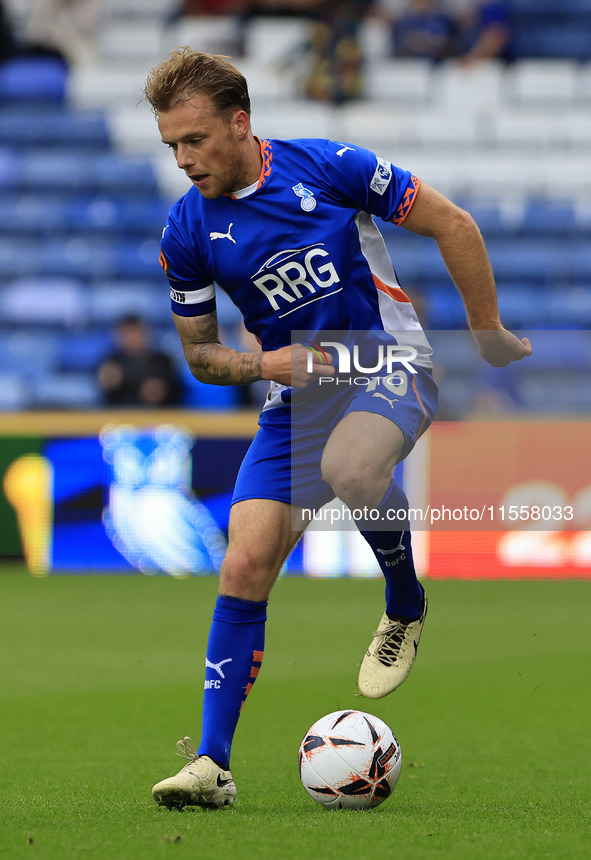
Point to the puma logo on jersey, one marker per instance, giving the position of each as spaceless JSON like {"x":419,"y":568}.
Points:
{"x":217,"y":666}
{"x":387,"y":399}
{"x":341,"y":152}
{"x":227,"y":235}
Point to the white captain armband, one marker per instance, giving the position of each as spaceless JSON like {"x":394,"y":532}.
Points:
{"x":192,"y":302}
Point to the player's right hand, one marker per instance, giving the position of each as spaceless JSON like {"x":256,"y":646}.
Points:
{"x":295,"y":365}
{"x":500,"y":347}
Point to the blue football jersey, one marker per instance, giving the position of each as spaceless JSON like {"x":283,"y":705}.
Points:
{"x":299,"y":250}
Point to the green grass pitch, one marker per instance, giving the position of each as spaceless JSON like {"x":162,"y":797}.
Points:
{"x":99,"y":676}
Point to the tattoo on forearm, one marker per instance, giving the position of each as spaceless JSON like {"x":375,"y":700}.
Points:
{"x":239,"y":368}
{"x":212,"y":362}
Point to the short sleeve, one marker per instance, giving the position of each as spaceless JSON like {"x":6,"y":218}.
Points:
{"x":369,"y":182}
{"x":192,"y":291}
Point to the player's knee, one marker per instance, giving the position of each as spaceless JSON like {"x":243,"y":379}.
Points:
{"x":356,"y":485}
{"x":244,"y":574}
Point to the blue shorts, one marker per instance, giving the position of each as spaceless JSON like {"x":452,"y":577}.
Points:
{"x":283,"y":461}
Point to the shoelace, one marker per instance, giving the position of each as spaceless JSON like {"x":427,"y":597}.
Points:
{"x":389,"y":650}
{"x":187,"y":749}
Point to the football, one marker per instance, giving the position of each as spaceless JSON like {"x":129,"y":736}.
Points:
{"x":349,"y":760}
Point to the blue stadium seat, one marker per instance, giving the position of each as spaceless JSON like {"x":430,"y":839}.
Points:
{"x":23,"y":214}
{"x":560,"y":351}
{"x":487,"y":214}
{"x":137,"y":259}
{"x":77,"y":257}
{"x":554,"y":392}
{"x":456,"y":351}
{"x":9,"y":169}
{"x":83,"y":350}
{"x":456,"y":398}
{"x":33,"y":78}
{"x":28,"y":351}
{"x":579,"y":261}
{"x":66,"y":390}
{"x":43,"y":300}
{"x":21,"y":127}
{"x":199,"y":395}
{"x":111,"y":300}
{"x":115,"y":214}
{"x":444,"y":309}
{"x":18,"y":257}
{"x":569,"y":306}
{"x":120,"y":174}
{"x":228,"y":314}
{"x":94,"y":214}
{"x":549,"y":217}
{"x":416,"y":260}
{"x":522,"y":306}
{"x":68,"y":170}
{"x":56,"y":170}
{"x":543,"y":262}
{"x":553,"y":40}
{"x":554,"y":8}
{"x":14,"y":394}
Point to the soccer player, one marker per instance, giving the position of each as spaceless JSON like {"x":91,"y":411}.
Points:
{"x":286,"y":229}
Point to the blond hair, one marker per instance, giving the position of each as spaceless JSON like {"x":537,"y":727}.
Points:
{"x":186,"y":72}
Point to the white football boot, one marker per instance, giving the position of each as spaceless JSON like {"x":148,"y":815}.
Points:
{"x":391,"y":653}
{"x":201,"y":782}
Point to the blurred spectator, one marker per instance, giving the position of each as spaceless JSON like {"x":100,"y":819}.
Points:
{"x":212,"y":7}
{"x":336,"y":65}
{"x":484,"y":30}
{"x":135,"y":374}
{"x":285,"y":7}
{"x":425,"y":29}
{"x":63,"y":28}
{"x":248,"y":7}
{"x":226,"y":32}
{"x":7,"y":39}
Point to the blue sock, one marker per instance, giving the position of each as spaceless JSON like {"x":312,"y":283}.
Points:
{"x":234,"y":655}
{"x":392,"y":549}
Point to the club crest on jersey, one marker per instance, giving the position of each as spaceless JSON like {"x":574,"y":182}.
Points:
{"x":382,"y":176}
{"x":308,"y":201}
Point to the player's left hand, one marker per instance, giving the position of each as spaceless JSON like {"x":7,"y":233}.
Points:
{"x":295,"y":365}
{"x":500,"y":347}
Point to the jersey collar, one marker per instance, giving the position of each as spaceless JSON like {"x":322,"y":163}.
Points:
{"x":267,"y":156}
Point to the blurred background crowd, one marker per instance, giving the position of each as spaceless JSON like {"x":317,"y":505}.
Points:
{"x":487,"y":101}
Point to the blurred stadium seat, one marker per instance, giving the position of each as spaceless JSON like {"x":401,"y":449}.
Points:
{"x":21,"y":127}
{"x":29,"y":79}
{"x":67,"y":390}
{"x":398,"y":82}
{"x":14,"y":395}
{"x":43,"y":300}
{"x":109,"y":301}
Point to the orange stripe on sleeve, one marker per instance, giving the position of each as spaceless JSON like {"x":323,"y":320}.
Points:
{"x":410,"y":195}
